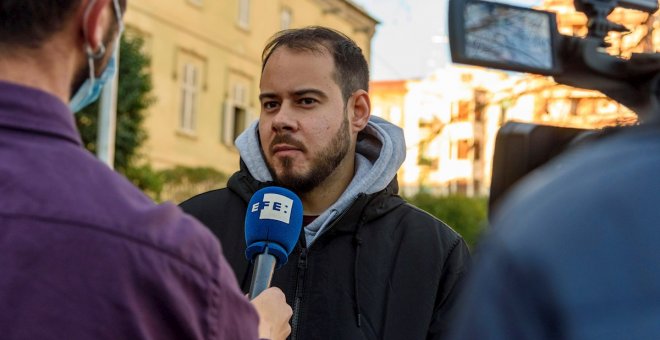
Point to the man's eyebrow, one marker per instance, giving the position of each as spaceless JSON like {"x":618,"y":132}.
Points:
{"x":298,"y":93}
{"x":303,"y":92}
{"x":268,"y":95}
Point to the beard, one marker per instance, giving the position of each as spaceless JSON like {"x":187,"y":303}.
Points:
{"x":323,"y":164}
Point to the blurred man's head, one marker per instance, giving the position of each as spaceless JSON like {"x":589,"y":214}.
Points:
{"x":84,"y":30}
{"x":28,"y":23}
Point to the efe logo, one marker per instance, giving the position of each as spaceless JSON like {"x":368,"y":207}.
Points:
{"x":274,"y":207}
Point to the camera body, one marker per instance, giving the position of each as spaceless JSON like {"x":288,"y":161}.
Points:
{"x":514,"y":38}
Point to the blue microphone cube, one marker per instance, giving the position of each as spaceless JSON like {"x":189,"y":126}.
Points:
{"x":273,"y":220}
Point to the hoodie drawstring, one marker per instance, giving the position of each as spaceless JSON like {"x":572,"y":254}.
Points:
{"x":358,"y":242}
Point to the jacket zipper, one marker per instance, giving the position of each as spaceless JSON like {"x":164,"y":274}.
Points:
{"x":302,"y":265}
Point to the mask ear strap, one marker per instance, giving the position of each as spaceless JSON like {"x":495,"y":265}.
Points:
{"x":91,"y":56}
{"x":98,"y":54}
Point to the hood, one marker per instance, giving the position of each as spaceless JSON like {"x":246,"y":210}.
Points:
{"x":380,"y":151}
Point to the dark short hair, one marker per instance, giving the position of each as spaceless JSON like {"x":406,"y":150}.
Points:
{"x":351,"y":68}
{"x":29,"y":23}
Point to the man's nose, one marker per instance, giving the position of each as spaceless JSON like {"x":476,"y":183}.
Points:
{"x":284,"y":119}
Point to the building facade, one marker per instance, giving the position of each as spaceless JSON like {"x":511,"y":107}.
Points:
{"x":206,"y":64}
{"x":445,"y":125}
{"x":451,"y":117}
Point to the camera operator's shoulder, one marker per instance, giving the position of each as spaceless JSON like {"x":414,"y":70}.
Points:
{"x":174,"y":233}
{"x":594,"y":185}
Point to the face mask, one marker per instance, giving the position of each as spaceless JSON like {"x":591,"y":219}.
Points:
{"x":90,"y":90}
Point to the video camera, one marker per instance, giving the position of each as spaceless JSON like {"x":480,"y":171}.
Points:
{"x":521,"y":39}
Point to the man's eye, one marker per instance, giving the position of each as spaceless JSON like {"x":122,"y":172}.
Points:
{"x":270,"y":105}
{"x":308,"y":101}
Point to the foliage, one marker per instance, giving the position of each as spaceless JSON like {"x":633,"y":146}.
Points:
{"x":181,"y":183}
{"x":466,"y":215}
{"x":133,"y":98}
{"x":145,"y":177}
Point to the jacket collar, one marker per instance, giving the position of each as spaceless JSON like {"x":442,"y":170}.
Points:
{"x":366,"y":207}
{"x":30,"y":109}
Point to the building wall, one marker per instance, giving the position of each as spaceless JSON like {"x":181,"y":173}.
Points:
{"x":441,"y":135}
{"x":207,"y":61}
{"x":388,"y":101}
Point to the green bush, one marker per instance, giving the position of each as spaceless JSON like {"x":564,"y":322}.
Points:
{"x":467,"y":215}
{"x":146,"y":178}
{"x":181,"y":183}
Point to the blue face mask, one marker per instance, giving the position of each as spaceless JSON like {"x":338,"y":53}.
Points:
{"x":90,"y":90}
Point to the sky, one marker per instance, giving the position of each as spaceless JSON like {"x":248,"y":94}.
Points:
{"x":411,"y":39}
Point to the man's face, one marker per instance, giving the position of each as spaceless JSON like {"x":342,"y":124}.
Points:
{"x":303,"y":127}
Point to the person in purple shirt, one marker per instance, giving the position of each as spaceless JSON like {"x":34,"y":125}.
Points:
{"x":83,"y":253}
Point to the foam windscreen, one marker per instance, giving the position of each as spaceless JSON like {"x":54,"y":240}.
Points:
{"x":273,"y":221}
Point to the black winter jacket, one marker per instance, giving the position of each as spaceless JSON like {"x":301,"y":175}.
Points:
{"x":383,"y":270}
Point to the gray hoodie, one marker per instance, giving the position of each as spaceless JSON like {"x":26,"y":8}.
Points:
{"x":381,"y":149}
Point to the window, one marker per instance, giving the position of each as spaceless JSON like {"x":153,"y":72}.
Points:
{"x":244,"y":13}
{"x":477,"y":150}
{"x":236,"y":113}
{"x":477,"y":187}
{"x":463,"y":149}
{"x":240,"y":116}
{"x":189,"y":93}
{"x":480,"y":102}
{"x":285,"y":18}
{"x":463,"y":110}
{"x":459,"y":187}
{"x":189,"y":75}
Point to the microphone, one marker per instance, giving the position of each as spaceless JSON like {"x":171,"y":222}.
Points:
{"x":272,"y":224}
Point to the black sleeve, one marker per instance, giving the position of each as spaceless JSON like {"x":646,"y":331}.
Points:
{"x":453,"y":274}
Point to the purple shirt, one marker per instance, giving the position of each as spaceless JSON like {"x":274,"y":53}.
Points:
{"x":86,"y":255}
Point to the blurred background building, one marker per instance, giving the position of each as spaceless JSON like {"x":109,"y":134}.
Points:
{"x":451,"y":117}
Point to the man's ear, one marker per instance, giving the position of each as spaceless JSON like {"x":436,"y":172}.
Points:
{"x":361,"y":110}
{"x":94,"y":22}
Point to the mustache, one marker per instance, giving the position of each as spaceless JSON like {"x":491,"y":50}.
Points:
{"x":287,"y":139}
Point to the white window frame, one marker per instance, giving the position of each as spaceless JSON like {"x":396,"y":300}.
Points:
{"x":244,"y":14}
{"x":286,"y":18}
{"x":237,"y":99}
{"x":190,"y":86}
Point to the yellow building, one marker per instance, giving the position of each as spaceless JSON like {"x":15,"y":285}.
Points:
{"x":206,"y":64}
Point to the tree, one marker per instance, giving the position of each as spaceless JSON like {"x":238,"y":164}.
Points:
{"x":133,"y":99}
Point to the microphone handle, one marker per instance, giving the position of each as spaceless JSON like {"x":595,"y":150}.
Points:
{"x":264,"y":265}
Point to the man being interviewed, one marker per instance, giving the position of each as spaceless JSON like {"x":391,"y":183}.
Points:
{"x":368,"y":265}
